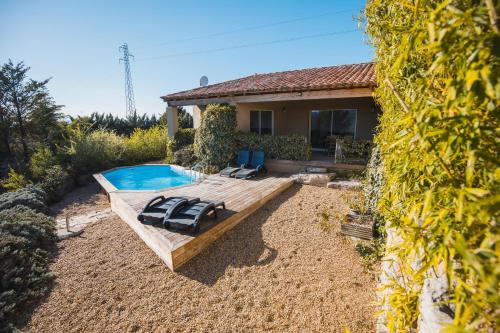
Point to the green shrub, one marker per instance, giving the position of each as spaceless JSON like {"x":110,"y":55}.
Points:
{"x":27,"y":239}
{"x":55,"y":183}
{"x":29,"y":196}
{"x":214,"y":142}
{"x":439,"y":86}
{"x":184,"y":137}
{"x":359,"y":149}
{"x":41,"y":160}
{"x":185,"y":156}
{"x":284,"y":147}
{"x":95,"y":151}
{"x":146,"y":144}
{"x":15,"y":181}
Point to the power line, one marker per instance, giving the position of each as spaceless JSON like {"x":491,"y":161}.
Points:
{"x":256,"y":27}
{"x":278,"y":41}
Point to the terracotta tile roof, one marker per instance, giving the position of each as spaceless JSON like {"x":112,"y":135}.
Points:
{"x":323,"y":78}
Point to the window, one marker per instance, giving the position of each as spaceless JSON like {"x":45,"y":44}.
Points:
{"x":261,"y":122}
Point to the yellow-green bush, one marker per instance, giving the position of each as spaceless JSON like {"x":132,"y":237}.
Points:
{"x":439,"y":140}
{"x":145,"y":145}
{"x":103,"y":149}
{"x":95,"y":151}
{"x":14,"y":181}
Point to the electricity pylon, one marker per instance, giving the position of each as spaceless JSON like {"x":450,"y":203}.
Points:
{"x":130,"y":111}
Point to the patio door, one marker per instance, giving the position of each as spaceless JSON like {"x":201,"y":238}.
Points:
{"x":324,"y":123}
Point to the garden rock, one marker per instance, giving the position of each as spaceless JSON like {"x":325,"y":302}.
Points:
{"x":345,"y":184}
{"x":314,"y":179}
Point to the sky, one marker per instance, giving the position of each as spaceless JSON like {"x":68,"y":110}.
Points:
{"x":174,"y":43}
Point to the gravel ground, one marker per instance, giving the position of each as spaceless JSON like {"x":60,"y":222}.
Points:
{"x":81,"y":201}
{"x":278,"y":270}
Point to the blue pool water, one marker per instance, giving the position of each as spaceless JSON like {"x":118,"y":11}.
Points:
{"x":146,"y":177}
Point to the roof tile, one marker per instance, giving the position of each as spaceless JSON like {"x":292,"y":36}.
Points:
{"x":323,"y":78}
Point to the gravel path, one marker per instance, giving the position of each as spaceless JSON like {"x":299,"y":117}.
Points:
{"x":277,"y":271}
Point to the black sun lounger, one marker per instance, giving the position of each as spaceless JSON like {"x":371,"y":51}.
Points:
{"x":188,"y":217}
{"x":160,"y":207}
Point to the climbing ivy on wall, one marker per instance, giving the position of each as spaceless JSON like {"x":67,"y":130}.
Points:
{"x":438,"y":74}
{"x":214,"y":141}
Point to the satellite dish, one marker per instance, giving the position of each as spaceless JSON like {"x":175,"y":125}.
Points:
{"x":203,"y":81}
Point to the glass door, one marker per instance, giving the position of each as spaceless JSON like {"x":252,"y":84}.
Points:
{"x":325,"y":123}
{"x":321,"y":125}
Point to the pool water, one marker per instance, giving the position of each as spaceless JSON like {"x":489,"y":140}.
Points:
{"x":147,"y":177}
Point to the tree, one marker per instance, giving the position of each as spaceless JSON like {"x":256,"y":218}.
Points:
{"x":5,"y":122}
{"x":185,"y":120}
{"x":20,"y":96}
{"x":44,"y":123}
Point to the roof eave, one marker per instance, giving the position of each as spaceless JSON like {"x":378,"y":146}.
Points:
{"x":168,"y":98}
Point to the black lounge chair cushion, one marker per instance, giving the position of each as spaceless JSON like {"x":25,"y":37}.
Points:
{"x":188,"y":217}
{"x":160,"y":207}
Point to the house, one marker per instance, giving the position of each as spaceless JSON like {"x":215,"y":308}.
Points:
{"x":316,"y":103}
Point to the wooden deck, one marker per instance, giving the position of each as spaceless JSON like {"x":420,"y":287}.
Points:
{"x":242,"y":197}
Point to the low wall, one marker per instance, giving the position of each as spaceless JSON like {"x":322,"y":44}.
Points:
{"x":287,"y":166}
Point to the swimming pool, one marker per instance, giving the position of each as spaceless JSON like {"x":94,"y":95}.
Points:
{"x":147,"y":177}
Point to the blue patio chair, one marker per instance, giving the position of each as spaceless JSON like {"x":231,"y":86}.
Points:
{"x":242,"y":161}
{"x":255,"y":166}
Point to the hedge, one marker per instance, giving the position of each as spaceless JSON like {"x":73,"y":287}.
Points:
{"x":283,"y":147}
{"x":214,"y":141}
{"x":439,"y":86}
{"x":359,"y":149}
{"x":27,"y":240}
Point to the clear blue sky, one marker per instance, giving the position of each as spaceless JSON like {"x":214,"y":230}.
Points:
{"x":76,"y":43}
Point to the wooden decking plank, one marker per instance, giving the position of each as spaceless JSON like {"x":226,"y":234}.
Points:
{"x":242,"y":197}
{"x":183,"y":253}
